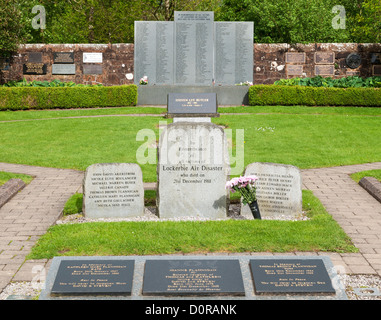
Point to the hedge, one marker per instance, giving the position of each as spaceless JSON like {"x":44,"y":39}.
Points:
{"x":313,"y":96}
{"x":22,"y":98}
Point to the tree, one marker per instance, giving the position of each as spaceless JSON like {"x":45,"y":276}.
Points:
{"x":368,"y":22}
{"x":165,"y":9}
{"x":12,"y":27}
{"x":286,"y":21}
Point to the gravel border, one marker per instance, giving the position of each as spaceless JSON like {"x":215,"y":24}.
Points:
{"x":357,"y":287}
{"x":150,"y":215}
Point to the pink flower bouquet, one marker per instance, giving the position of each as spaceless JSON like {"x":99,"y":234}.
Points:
{"x":246,"y":187}
{"x":144,"y":80}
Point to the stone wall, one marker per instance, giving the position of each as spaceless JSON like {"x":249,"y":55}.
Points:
{"x":117,"y":63}
{"x":271,"y":62}
{"x":280,"y":61}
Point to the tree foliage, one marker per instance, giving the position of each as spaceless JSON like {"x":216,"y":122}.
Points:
{"x":287,"y":21}
{"x":367,"y":24}
{"x":12,"y":27}
{"x":112,"y":21}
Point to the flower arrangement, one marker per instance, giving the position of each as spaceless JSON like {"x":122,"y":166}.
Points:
{"x":246,"y":187}
{"x":246,"y":83}
{"x":143,"y":81}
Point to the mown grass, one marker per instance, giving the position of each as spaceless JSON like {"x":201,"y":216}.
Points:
{"x":304,"y":140}
{"x":320,"y":233}
{"x":5,"y":176}
{"x":369,"y":173}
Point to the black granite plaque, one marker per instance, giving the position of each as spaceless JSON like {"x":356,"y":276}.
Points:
{"x":34,"y":68}
{"x":35,"y":57}
{"x":92,"y":69}
{"x":192,"y":103}
{"x":63,"y":57}
{"x":376,"y":58}
{"x":284,"y":276}
{"x":192,"y":277}
{"x":4,"y":64}
{"x":90,"y":277}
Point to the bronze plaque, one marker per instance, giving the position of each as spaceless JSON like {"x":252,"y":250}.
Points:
{"x":63,"y":57}
{"x":92,"y":69}
{"x":34,"y":68}
{"x":324,"y":57}
{"x":294,"y":70}
{"x":324,"y":70}
{"x":295,"y":57}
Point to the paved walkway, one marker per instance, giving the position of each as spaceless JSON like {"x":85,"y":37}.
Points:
{"x":28,"y":215}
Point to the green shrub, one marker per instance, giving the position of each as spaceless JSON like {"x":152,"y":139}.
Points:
{"x":313,"y":96}
{"x":74,"y":204}
{"x":53,"y":83}
{"x":319,"y":81}
{"x":21,"y":98}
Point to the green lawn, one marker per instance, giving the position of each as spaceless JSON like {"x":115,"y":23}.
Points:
{"x":320,"y":233}
{"x":369,"y":173}
{"x":304,"y":138}
{"x":5,"y":176}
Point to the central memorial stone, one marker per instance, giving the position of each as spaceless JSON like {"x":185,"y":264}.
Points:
{"x":192,"y":54}
{"x":192,"y":171}
{"x":193,"y":50}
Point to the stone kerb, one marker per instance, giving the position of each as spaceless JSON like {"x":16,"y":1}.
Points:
{"x":113,"y":190}
{"x":192,"y":171}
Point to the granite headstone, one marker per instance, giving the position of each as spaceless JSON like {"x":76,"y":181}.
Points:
{"x":279,"y":189}
{"x":113,"y":190}
{"x":192,"y":171}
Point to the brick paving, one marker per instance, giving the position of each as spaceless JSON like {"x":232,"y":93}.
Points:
{"x":34,"y":209}
{"x":30,"y":213}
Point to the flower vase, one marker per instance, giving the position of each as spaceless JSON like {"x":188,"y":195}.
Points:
{"x":255,"y":210}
